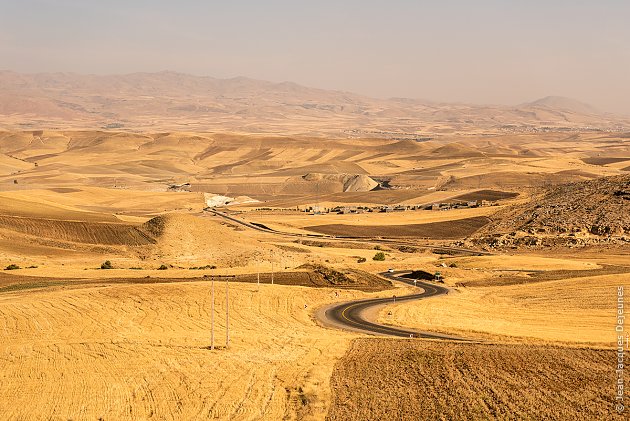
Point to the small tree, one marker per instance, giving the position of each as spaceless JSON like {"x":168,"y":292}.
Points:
{"x":380,"y":256}
{"x":107,"y":265}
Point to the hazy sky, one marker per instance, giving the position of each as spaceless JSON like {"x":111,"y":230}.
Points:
{"x":484,"y":51}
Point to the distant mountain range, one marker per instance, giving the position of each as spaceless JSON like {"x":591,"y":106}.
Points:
{"x":175,"y":101}
{"x":564,"y":104}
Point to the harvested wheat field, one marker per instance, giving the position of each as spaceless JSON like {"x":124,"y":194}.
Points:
{"x":572,"y":310}
{"x":141,"y":351}
{"x":387,"y":379}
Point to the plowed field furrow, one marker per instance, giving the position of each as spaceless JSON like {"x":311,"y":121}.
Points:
{"x":76,"y":231}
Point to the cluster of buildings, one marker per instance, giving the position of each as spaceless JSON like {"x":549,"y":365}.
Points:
{"x":346,"y":210}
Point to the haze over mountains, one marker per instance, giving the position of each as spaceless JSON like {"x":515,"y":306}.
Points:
{"x":175,"y":101}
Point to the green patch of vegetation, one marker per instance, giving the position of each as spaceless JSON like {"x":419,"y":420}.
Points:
{"x":32,"y":267}
{"x":107,"y":265}
{"x":12,"y":267}
{"x":206,"y":267}
{"x":380,"y":256}
{"x":163,"y":267}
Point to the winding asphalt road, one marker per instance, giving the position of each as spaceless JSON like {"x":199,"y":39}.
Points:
{"x":350,"y":315}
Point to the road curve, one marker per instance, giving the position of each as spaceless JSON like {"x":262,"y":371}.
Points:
{"x":350,"y":315}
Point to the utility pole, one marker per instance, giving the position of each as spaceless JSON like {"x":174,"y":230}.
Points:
{"x":227,"y":312}
{"x":212,"y":317}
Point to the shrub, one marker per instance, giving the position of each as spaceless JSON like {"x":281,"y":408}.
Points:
{"x":12,"y":267}
{"x":453,"y":265}
{"x":107,"y":265}
{"x":163,"y":267}
{"x":380,"y":256}
{"x":203,"y":267}
{"x":361,"y":260}
{"x":377,"y":247}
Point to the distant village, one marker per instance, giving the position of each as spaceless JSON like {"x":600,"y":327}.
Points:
{"x":345,"y":210}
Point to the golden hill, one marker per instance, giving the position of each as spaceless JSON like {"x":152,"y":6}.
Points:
{"x":189,"y":239}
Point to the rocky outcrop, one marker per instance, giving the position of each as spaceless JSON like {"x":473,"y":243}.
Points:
{"x":574,"y":214}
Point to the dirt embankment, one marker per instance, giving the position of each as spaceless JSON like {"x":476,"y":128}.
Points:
{"x":392,"y":379}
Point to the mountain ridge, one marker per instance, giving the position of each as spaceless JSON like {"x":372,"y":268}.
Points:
{"x":178,"y":101}
{"x":564,"y":103}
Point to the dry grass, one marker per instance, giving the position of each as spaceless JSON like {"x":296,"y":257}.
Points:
{"x":139,"y":351}
{"x":382,"y":379}
{"x":572,"y":310}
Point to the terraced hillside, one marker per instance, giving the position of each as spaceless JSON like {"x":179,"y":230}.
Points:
{"x":76,"y":231}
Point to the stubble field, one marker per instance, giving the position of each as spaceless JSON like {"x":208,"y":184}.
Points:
{"x":141,"y":351}
{"x":84,"y":343}
{"x":413,"y":380}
